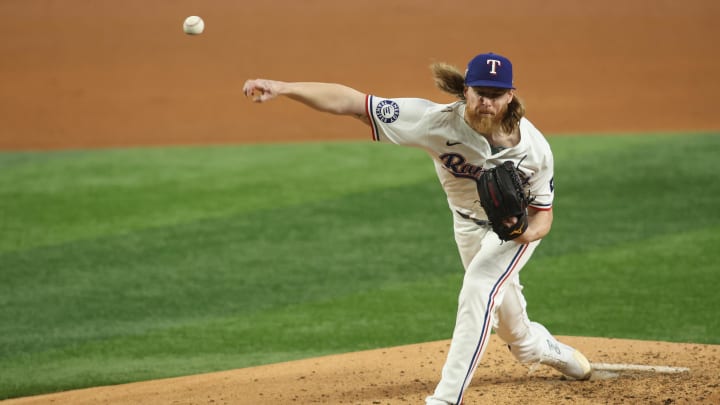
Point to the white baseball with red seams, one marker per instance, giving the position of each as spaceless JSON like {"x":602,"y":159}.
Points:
{"x":193,"y":25}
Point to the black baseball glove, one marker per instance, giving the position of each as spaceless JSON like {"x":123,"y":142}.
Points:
{"x":503,"y":195}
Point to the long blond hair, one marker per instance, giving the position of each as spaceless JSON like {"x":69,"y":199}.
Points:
{"x":450,"y":80}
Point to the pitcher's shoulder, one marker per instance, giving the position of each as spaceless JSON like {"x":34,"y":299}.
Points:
{"x":529,"y":131}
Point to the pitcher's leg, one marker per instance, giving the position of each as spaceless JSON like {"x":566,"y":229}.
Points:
{"x":531,"y":342}
{"x":512,"y":322}
{"x":482,"y":290}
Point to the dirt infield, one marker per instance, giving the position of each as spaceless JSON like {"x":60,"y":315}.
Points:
{"x":97,"y":73}
{"x":102,"y":73}
{"x":405,"y":375}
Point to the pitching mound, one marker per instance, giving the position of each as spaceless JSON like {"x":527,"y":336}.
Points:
{"x":632,"y":372}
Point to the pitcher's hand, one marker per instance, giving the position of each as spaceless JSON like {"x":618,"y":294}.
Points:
{"x":261,"y":90}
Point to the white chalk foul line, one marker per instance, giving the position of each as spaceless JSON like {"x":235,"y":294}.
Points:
{"x":639,"y":367}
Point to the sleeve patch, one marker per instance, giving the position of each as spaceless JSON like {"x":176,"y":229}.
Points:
{"x":387,"y":111}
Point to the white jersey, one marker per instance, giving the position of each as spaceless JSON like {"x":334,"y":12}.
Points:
{"x":459,"y":153}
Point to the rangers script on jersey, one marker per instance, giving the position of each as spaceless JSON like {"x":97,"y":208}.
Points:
{"x":458,"y":151}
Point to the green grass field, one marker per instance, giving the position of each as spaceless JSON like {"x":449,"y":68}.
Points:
{"x":126,"y":265}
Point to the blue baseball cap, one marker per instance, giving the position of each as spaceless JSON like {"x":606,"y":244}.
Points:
{"x":489,"y":70}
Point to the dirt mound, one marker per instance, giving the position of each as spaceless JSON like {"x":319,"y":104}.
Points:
{"x":683,"y":374}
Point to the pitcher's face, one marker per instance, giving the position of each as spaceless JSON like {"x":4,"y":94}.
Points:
{"x":487,"y":104}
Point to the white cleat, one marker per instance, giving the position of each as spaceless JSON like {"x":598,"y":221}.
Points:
{"x":565,"y":359}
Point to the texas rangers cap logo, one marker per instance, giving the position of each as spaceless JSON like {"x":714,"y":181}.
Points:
{"x":494,"y":63}
{"x":387,"y":111}
{"x":489,"y":70}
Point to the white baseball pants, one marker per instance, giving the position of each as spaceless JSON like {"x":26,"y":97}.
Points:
{"x":491,"y":298}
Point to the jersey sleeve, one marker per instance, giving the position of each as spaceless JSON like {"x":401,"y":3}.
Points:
{"x":541,"y":185}
{"x":399,"y":121}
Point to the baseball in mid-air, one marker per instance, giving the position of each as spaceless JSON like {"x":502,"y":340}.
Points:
{"x":193,"y":25}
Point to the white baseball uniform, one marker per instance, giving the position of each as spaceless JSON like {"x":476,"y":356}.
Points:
{"x":491,"y":295}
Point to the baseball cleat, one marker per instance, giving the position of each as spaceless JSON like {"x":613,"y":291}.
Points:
{"x":566,"y":360}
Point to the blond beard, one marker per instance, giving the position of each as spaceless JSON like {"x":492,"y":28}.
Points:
{"x":486,"y":124}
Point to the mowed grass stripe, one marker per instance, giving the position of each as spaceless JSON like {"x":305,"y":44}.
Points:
{"x":54,"y":197}
{"x":363,"y":320}
{"x":160,"y":277}
{"x":356,"y":321}
{"x":658,"y":288}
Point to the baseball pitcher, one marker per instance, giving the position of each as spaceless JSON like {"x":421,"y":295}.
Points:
{"x":497,"y":171}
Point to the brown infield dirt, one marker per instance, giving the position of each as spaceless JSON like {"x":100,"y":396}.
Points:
{"x":99,"y":73}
